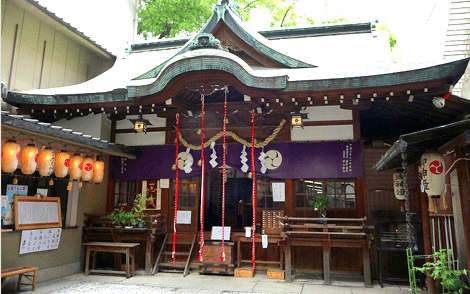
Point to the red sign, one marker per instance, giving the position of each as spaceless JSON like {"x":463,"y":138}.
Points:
{"x":67,"y":162}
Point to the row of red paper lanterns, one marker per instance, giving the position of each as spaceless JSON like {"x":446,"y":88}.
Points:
{"x":48,"y":162}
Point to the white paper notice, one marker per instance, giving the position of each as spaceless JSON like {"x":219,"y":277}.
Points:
{"x":217,"y":233}
{"x":164,"y":183}
{"x":183,"y":217}
{"x":279,"y":192}
{"x":40,"y":240}
{"x":4,"y":201}
{"x":264,"y":241}
{"x":37,"y":212}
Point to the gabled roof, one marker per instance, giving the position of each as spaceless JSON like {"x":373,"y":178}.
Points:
{"x":166,"y":74}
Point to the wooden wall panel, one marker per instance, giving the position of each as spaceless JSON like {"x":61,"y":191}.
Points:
{"x":59,"y":59}
{"x":71,"y":68}
{"x":25,"y":68}
{"x":9,"y":27}
{"x":44,"y":57}
{"x":83,"y":66}
{"x":95,"y":66}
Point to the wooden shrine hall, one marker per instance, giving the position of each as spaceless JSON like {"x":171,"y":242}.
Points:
{"x":265,"y":140}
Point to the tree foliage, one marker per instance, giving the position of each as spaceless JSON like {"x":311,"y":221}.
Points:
{"x":168,"y":18}
{"x":392,"y":38}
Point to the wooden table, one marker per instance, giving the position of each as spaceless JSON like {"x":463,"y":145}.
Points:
{"x":122,"y":234}
{"x":115,"y":247}
{"x":272,"y":239}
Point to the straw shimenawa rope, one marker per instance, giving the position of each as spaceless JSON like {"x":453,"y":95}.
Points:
{"x":234,"y":136}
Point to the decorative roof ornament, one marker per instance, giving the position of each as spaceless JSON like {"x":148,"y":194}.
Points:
{"x":205,"y":41}
{"x":234,"y":6}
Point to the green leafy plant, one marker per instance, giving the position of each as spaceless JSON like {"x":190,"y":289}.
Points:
{"x":320,"y":203}
{"x":116,"y":216}
{"x":140,"y":203}
{"x":440,"y":270}
{"x":129,"y":218}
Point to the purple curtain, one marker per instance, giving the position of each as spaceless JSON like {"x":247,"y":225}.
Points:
{"x":320,"y":160}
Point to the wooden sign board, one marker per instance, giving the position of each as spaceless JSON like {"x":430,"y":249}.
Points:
{"x":37,"y":212}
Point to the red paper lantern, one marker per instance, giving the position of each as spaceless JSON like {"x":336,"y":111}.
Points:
{"x":87,"y":171}
{"x":433,"y":173}
{"x":29,"y":159}
{"x":75,"y":167}
{"x":98,"y":171}
{"x":10,"y":156}
{"x":46,"y":162}
{"x":61,"y":164}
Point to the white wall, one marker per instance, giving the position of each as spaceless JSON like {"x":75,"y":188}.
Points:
{"x":325,"y":132}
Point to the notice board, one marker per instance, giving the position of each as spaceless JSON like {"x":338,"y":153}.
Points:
{"x":37,"y":212}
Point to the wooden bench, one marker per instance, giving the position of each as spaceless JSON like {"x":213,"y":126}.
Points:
{"x":114,"y":247}
{"x":327,"y":233}
{"x":21,"y":271}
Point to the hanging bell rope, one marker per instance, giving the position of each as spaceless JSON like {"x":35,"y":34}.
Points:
{"x":253,"y":229}
{"x":224,"y":178}
{"x":176,"y":191}
{"x":235,"y":137}
{"x":201,"y":242}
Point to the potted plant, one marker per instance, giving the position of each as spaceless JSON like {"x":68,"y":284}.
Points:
{"x":449,"y":278}
{"x":116,"y":217}
{"x":129,"y":219}
{"x":321,"y":204}
{"x":140,"y":203}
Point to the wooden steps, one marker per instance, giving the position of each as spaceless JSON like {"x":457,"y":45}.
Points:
{"x":183,"y":252}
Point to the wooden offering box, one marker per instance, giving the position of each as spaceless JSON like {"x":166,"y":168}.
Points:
{"x":211,"y":263}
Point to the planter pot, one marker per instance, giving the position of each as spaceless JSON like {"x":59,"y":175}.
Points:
{"x":129,"y":227}
{"x":140,"y":224}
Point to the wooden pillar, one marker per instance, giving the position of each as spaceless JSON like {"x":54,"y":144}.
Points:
{"x":464,"y":189}
{"x":427,"y":238}
{"x":366,"y":258}
{"x":326,"y":263}
{"x":288,"y":275}
{"x":289,"y":203}
{"x":360,"y":197}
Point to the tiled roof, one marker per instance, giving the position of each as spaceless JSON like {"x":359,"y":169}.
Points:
{"x":36,"y":128}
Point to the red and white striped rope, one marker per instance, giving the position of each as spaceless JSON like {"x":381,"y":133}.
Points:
{"x":253,"y":229}
{"x":222,"y":252}
{"x":201,"y":242}
{"x":176,"y":189}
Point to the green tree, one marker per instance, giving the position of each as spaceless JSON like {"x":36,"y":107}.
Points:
{"x":168,"y":18}
{"x":391,"y":37}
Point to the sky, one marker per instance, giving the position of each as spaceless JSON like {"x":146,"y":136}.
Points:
{"x":419,"y":24}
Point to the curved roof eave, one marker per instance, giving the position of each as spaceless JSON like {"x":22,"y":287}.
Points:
{"x":194,"y":61}
{"x":209,"y":59}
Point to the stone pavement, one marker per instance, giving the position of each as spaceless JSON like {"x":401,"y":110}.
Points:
{"x":205,"y":284}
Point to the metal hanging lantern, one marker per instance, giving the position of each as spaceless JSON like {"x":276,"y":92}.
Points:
{"x":87,"y":171}
{"x":75,"y":168}
{"x":29,"y":159}
{"x":98,"y":171}
{"x":140,"y":124}
{"x":10,"y":156}
{"x":297,"y":119}
{"x":399,"y":188}
{"x":46,"y":162}
{"x":61,"y":164}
